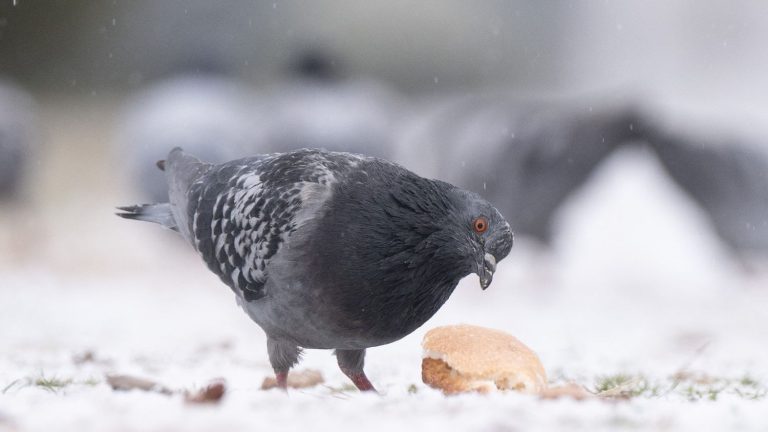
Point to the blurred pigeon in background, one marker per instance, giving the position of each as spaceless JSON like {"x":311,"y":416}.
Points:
{"x":317,"y":106}
{"x":525,"y":157}
{"x":17,"y":136}
{"x":206,"y":112}
{"x":728,"y":178}
{"x":330,"y":250}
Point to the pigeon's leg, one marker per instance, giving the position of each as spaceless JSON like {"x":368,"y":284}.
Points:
{"x":351,"y":363}
{"x":283,"y":356}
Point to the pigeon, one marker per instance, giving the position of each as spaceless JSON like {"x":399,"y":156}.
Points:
{"x":16,"y":138}
{"x":329,"y":250}
{"x":207,"y":112}
{"x":526,"y":156}
{"x":316,"y":105}
{"x":728,"y":179}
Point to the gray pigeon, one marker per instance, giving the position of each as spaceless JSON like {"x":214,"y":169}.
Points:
{"x":728,"y":179}
{"x":527,"y":157}
{"x":210,"y":114}
{"x":16,"y":138}
{"x":319,"y":107}
{"x":330,"y":250}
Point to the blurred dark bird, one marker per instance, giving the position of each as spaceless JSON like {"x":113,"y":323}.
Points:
{"x":728,"y":178}
{"x":318,"y":106}
{"x":204,"y":110}
{"x":17,"y":138}
{"x":330,"y":250}
{"x":526,"y":157}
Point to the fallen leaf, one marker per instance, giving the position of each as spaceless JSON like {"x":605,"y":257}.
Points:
{"x":299,"y":379}
{"x":210,"y":394}
{"x":84,"y":357}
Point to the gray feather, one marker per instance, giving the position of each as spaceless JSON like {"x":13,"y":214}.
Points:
{"x":156,"y":213}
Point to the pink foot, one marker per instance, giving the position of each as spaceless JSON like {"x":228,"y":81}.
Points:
{"x":282,"y":380}
{"x":361,"y":382}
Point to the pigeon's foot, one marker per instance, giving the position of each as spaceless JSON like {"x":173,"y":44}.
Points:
{"x":361,"y":381}
{"x":351,"y":364}
{"x":283,"y":356}
{"x":282,"y":380}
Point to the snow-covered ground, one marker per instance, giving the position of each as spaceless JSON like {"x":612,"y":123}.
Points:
{"x":637,"y":286}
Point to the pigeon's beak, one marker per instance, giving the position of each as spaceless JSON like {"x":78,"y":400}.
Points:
{"x":485,"y":270}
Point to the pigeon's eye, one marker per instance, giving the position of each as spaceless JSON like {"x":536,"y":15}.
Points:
{"x":480,"y":225}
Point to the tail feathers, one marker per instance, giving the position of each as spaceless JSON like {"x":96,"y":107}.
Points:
{"x":157,"y":213}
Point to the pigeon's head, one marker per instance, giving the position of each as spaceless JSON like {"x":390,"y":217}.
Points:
{"x":485,"y":236}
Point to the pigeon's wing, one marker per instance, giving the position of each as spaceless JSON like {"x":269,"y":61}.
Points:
{"x":241,"y":213}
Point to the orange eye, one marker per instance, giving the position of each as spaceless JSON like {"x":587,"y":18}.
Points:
{"x":480,"y":225}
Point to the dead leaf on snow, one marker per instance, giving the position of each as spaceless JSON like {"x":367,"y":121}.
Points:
{"x":210,"y":394}
{"x":299,"y":379}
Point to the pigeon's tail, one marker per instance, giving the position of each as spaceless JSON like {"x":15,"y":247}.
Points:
{"x":157,"y":213}
{"x":181,"y":171}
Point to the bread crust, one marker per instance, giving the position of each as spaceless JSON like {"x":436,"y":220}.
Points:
{"x":463,"y":358}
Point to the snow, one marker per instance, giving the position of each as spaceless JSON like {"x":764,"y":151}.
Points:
{"x":636,"y":285}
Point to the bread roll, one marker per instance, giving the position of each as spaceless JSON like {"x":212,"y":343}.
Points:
{"x":465,"y":358}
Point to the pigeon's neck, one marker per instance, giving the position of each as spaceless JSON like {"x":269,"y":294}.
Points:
{"x":389,"y":260}
{"x":431,"y":281}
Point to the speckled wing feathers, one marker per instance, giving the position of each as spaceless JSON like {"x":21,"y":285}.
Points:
{"x":243,"y":212}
